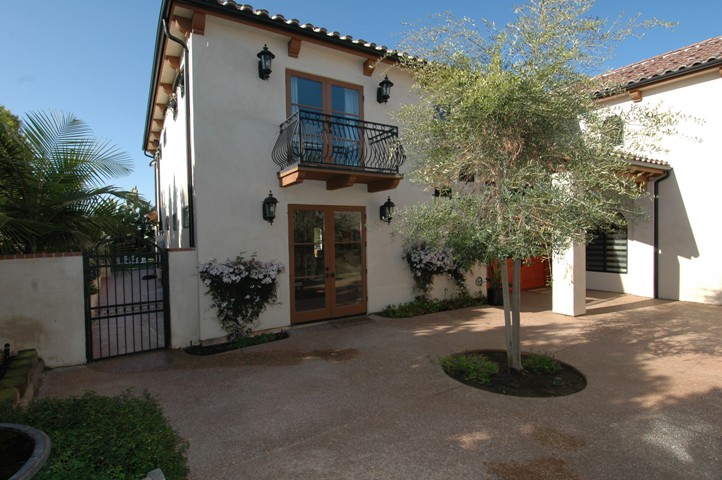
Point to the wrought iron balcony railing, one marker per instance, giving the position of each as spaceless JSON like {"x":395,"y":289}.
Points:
{"x":330,"y":141}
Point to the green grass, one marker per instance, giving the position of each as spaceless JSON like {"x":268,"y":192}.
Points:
{"x":103,"y":438}
{"x":473,"y":367}
{"x":541,"y":363}
{"x":423,"y":306}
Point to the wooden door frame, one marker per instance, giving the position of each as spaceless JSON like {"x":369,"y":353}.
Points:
{"x":330,"y":311}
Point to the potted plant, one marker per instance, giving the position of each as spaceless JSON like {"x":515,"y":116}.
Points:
{"x":494,"y":294}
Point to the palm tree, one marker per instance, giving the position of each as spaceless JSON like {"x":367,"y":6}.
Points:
{"x":53,"y":192}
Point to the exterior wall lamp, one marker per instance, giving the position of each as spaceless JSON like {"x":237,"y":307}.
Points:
{"x":444,"y":192}
{"x":386,"y":212}
{"x":384,"y":91}
{"x":264,"y":63}
{"x":172,"y":105}
{"x":269,"y":208}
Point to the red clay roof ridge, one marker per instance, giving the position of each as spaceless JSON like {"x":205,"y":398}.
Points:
{"x":675,"y":61}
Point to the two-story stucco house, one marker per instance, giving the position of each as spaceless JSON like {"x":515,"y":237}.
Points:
{"x":243,"y":103}
{"x":314,"y":128}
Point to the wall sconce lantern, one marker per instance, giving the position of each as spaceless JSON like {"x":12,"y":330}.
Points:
{"x":444,"y":192}
{"x":269,"y":208}
{"x":386,"y":212}
{"x":264,"y":63}
{"x":172,"y":105}
{"x":384,"y":91}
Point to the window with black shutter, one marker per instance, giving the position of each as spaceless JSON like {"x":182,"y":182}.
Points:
{"x":608,"y":252}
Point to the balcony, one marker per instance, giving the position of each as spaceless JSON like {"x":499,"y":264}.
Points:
{"x":339,"y":150}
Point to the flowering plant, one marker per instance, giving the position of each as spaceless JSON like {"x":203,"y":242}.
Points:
{"x":425,"y":262}
{"x":240,"y":290}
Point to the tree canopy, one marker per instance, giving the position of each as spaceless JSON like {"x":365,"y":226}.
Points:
{"x":53,"y":191}
{"x":507,"y":120}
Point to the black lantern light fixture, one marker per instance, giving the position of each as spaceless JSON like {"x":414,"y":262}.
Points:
{"x":269,"y":208}
{"x":172,"y":105}
{"x":384,"y":91}
{"x":386,"y":212}
{"x":264,"y":63}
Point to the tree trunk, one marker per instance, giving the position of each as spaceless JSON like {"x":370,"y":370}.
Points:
{"x":516,"y":317}
{"x":507,"y":312}
{"x":512,"y":314}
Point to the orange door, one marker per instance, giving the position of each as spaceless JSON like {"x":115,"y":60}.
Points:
{"x":534,"y":273}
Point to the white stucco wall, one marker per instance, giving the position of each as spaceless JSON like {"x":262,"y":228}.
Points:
{"x":185,"y":290}
{"x":42,"y":303}
{"x":236,"y":118}
{"x":690,"y":266}
{"x":639,"y":279}
{"x":173,"y":173}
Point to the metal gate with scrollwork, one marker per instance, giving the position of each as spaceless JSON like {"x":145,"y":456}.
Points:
{"x":126,"y":299}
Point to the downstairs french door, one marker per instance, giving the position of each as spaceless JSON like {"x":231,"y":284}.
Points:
{"x":328,"y":261}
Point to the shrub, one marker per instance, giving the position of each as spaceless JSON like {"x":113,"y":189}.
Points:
{"x":541,"y":363}
{"x":121,"y":437}
{"x":240,"y":291}
{"x":426,"y":262}
{"x":422,"y":306}
{"x":473,"y":367}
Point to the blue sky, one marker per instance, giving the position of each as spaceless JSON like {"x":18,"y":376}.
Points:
{"x":93,"y":57}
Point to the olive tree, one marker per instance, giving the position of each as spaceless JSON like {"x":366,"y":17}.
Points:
{"x":508,"y":121}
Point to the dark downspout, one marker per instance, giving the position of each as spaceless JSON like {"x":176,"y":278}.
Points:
{"x":189,"y":150}
{"x":664,"y":176}
{"x":156,"y":185}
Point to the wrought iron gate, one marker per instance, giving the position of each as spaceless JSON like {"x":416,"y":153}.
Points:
{"x":126,"y":299}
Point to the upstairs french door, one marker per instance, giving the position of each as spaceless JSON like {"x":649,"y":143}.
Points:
{"x":328,"y":261}
{"x":332,"y":111}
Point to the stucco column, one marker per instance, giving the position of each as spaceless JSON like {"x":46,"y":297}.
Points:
{"x":569,"y":282}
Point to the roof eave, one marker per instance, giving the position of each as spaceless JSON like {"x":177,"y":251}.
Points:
{"x":662,"y":78}
{"x":157,"y":58}
{"x":649,"y":165}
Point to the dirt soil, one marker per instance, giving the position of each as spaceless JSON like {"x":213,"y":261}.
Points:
{"x":527,"y":383}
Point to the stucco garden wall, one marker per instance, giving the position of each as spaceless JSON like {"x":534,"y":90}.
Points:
{"x":185,"y":288}
{"x":42,"y":303}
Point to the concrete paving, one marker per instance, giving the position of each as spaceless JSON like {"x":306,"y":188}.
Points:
{"x":363,"y":399}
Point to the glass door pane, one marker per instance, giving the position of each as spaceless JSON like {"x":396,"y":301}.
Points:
{"x":348,"y":258}
{"x":345,"y":129}
{"x":309,"y":260}
{"x":307,"y":95}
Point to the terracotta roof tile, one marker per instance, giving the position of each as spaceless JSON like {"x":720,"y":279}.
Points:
{"x":639,"y":159}
{"x":307,"y":28}
{"x":707,"y":52}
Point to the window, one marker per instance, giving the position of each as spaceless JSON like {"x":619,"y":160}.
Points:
{"x":323,"y":95}
{"x":608,"y":251}
{"x":331,"y":115}
{"x":186,"y":217}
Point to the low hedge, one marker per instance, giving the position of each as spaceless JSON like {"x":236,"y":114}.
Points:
{"x":422,"y":306}
{"x":95,"y":437}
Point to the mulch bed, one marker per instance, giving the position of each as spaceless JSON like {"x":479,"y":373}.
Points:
{"x":526,"y":383}
{"x":240,"y":343}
